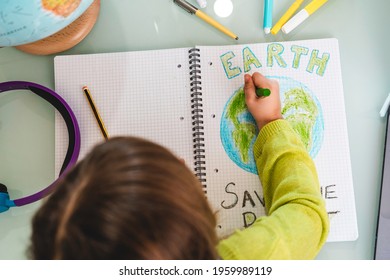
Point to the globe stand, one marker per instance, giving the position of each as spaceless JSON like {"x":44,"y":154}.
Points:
{"x":66,"y":38}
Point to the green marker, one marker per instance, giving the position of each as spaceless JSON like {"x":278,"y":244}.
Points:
{"x":263,"y":92}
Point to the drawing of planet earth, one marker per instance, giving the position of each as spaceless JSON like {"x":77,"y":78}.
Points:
{"x":300,"y":108}
{"x":27,"y":21}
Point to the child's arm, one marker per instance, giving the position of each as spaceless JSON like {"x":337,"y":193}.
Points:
{"x":297,"y":223}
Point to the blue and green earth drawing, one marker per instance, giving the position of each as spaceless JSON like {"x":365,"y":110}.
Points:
{"x":300,"y":108}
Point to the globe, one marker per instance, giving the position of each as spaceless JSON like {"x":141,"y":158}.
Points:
{"x":300,"y":107}
{"x":26,"y":21}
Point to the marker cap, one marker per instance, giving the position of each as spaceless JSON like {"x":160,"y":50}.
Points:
{"x":295,"y":21}
{"x":262,"y":92}
{"x":202,"y":3}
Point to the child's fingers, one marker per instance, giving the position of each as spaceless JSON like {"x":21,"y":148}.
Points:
{"x":249,"y":88}
{"x":260,"y":81}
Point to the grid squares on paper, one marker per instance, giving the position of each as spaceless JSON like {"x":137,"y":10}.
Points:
{"x":144,"y":94}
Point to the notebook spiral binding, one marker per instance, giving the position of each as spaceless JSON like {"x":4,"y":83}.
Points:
{"x":197,"y":116}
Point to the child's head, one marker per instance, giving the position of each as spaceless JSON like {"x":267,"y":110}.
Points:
{"x":128,"y":199}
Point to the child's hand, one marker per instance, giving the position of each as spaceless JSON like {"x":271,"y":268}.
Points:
{"x":263,"y":109}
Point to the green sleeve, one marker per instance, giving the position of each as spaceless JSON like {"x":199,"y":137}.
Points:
{"x":297,"y":223}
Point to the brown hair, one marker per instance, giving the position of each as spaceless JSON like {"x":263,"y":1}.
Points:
{"x":127,"y":199}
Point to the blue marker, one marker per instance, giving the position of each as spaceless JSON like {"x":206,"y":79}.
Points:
{"x":267,"y":24}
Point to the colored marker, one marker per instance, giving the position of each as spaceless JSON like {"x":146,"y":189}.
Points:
{"x":263,"y":92}
{"x":385,"y":107}
{"x":202,"y":3}
{"x":287,"y":15}
{"x":303,"y":15}
{"x":95,"y":112}
{"x":267,"y":21}
{"x":195,"y":11}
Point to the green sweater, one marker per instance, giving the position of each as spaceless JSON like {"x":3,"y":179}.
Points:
{"x":297,"y":223}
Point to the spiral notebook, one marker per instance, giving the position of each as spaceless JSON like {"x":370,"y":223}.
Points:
{"x":191,"y":101}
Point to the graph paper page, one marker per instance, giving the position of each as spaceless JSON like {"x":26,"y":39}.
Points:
{"x":309,"y":75}
{"x":144,"y":94}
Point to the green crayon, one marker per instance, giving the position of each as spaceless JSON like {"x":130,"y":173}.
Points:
{"x":263,"y":92}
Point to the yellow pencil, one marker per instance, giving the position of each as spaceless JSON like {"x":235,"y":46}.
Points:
{"x":95,"y":112}
{"x":287,"y":15}
{"x":193,"y":10}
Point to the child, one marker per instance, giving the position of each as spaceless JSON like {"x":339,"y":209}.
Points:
{"x":132,"y":199}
